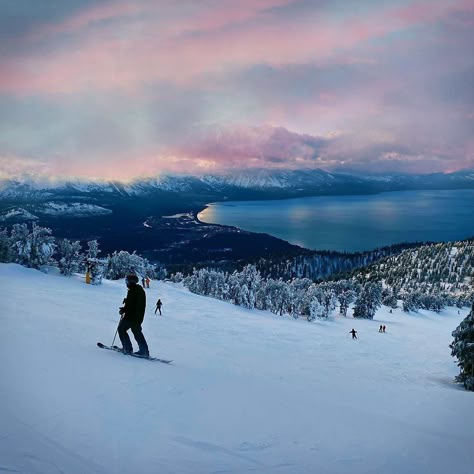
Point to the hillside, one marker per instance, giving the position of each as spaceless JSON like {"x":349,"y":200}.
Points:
{"x":247,"y":391}
{"x":436,"y":268}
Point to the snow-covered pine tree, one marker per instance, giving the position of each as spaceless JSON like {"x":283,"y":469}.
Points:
{"x":388,"y":298}
{"x":34,"y":248}
{"x":411,"y":301}
{"x":346,"y":292}
{"x":298,"y":288}
{"x":5,"y":246}
{"x":250,"y":279}
{"x":160,"y":272}
{"x":463,"y":349}
{"x":96,"y":269}
{"x":69,"y":256}
{"x":177,"y":277}
{"x":316,"y":309}
{"x":368,"y":301}
{"x":92,"y":249}
{"x":327,"y":297}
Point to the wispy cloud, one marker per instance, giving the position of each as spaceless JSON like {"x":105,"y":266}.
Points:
{"x":93,"y":84}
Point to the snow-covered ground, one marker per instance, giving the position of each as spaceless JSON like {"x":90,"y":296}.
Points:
{"x":247,"y":392}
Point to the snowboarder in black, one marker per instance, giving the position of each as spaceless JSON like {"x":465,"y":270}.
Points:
{"x":133,"y":313}
{"x":383,"y":328}
{"x":353,"y":332}
{"x":159,"y":304}
{"x":380,"y":328}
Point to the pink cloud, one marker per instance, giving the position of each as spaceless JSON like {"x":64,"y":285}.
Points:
{"x":194,"y":45}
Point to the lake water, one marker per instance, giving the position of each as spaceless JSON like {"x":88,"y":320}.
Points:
{"x":354,"y":223}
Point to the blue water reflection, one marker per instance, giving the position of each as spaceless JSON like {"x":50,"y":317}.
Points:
{"x":354,"y":223}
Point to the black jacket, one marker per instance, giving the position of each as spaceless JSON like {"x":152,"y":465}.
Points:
{"x":135,"y":304}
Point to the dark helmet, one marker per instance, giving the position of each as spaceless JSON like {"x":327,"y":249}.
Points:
{"x":131,"y":279}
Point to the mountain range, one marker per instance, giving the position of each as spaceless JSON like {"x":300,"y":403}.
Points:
{"x":240,"y":185}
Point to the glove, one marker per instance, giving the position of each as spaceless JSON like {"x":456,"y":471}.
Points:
{"x":121,"y":311}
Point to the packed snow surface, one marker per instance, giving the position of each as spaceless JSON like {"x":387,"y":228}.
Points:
{"x":248,"y":391}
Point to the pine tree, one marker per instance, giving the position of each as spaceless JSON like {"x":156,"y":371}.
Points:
{"x":92,"y":249}
{"x":96,"y":268}
{"x":33,"y":248}
{"x":463,"y":349}
{"x":346,"y":293}
{"x":316,"y":309}
{"x":369,"y":300}
{"x":5,"y":246}
{"x":69,"y":256}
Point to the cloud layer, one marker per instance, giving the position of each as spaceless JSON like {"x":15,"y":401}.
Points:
{"x":116,"y":89}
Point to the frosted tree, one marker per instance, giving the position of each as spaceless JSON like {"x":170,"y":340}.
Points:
{"x":346,"y":294}
{"x":463,"y":349}
{"x":298,"y":289}
{"x":368,"y":301}
{"x":327,"y":297}
{"x":159,"y":271}
{"x":33,"y":248}
{"x":411,"y":301}
{"x":94,"y":266}
{"x":92,"y":249}
{"x":177,"y":277}
{"x":250,"y":279}
{"x":69,"y":256}
{"x":278,"y":296}
{"x":96,"y":269}
{"x":5,"y":246}
{"x":262,"y":299}
{"x":120,"y":264}
{"x":316,"y":309}
{"x":389,"y":298}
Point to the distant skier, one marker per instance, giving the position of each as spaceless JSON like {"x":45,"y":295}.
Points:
{"x":354,"y":333}
{"x":383,"y":328}
{"x":147,"y":281}
{"x":133,"y":313}
{"x":159,"y":304}
{"x":380,"y":328}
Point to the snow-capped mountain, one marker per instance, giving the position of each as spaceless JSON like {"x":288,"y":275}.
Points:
{"x":284,"y":183}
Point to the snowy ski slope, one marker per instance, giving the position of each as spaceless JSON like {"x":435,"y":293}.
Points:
{"x":247,"y":392}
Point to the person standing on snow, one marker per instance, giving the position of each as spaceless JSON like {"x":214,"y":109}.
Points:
{"x":159,"y":304}
{"x":133,"y":313}
{"x":353,"y":332}
{"x":147,"y":281}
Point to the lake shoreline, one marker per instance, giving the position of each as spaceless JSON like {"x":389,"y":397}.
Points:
{"x":354,"y":223}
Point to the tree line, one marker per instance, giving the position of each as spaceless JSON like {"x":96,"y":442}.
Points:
{"x":36,"y":247}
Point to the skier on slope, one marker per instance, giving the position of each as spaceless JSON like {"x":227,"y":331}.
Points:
{"x":159,"y":304}
{"x":133,"y":313}
{"x":353,"y":332}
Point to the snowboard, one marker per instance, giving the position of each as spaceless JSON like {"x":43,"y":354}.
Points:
{"x":117,"y":349}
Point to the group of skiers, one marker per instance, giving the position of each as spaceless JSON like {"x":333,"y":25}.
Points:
{"x":354,"y":332}
{"x":132,"y":314}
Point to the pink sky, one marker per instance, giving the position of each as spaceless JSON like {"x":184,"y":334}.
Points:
{"x":116,"y":89}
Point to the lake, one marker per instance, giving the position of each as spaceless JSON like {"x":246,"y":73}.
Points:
{"x":354,"y":223}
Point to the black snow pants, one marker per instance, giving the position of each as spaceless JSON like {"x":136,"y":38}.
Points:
{"x":123,"y":327}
